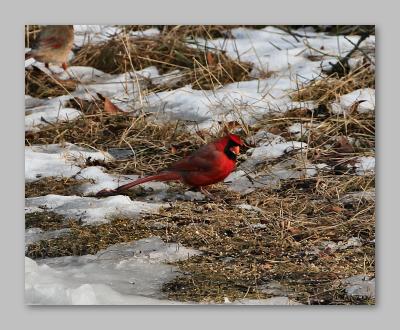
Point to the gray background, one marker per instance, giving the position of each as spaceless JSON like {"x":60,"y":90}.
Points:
{"x":16,"y":315}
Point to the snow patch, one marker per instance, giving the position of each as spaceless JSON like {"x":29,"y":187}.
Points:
{"x":360,"y":286}
{"x":123,"y":274}
{"x":274,"y":150}
{"x":50,"y":115}
{"x":152,"y":32}
{"x":365,"y":165}
{"x":367,"y":95}
{"x":43,"y":112}
{"x":56,"y":160}
{"x":33,"y":235}
{"x":83,"y":74}
{"x":243,"y":183}
{"x":273,"y":50}
{"x":246,"y":100}
{"x":107,"y":181}
{"x":89,"y":209}
{"x":92,"y":34}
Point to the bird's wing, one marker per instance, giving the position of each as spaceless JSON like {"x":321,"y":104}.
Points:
{"x":52,"y":42}
{"x":203,"y":160}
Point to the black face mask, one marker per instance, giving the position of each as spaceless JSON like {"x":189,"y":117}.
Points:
{"x":231,"y":155}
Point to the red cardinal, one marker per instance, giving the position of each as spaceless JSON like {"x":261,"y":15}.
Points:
{"x":210,"y":164}
{"x":53,"y":45}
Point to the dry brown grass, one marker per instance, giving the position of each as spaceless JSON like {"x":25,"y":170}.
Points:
{"x":334,"y":29}
{"x":334,"y":140}
{"x":155,"y":145}
{"x":41,"y":85}
{"x":204,"y":69}
{"x":45,"y":220}
{"x":31,"y":32}
{"x":53,"y":185}
{"x":238,"y":257}
{"x":329,"y":89}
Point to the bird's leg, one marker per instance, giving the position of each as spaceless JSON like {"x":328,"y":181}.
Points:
{"x":204,"y":191}
{"x":207,"y":193}
{"x":65,"y":67}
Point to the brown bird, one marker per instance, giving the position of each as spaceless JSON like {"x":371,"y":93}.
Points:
{"x":53,"y":45}
{"x":210,"y":164}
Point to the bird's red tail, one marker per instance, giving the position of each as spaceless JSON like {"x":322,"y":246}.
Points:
{"x":167,"y":176}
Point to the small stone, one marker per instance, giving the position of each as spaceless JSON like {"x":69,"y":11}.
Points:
{"x":249,"y":207}
{"x":228,"y":260}
{"x":158,"y":225}
{"x":258,"y":226}
{"x":351,"y":242}
{"x":273,"y":288}
{"x":193,"y":196}
{"x":121,"y":153}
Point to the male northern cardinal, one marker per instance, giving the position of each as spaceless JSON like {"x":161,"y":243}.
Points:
{"x":210,"y":164}
{"x":53,"y":45}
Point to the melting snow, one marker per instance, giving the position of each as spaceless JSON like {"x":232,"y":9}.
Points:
{"x":365,"y":165}
{"x":33,"y":235}
{"x":56,"y":160}
{"x":367,"y":95}
{"x":90,"y":209}
{"x":245,"y":179}
{"x":123,"y":274}
{"x":152,"y":32}
{"x":50,"y":115}
{"x":247,"y":101}
{"x":297,"y":129}
{"x":91,"y":34}
{"x":104,"y":180}
{"x":83,"y":74}
{"x":43,"y":112}
{"x":271,"y":49}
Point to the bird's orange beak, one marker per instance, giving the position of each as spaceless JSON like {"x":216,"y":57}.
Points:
{"x":235,"y":150}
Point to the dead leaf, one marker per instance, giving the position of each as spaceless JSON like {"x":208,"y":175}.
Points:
{"x":110,"y":107}
{"x":343,"y":145}
{"x":301,"y":112}
{"x":294,"y":230}
{"x":266,"y":266}
{"x":210,"y":58}
{"x":353,"y":108}
{"x":335,"y":208}
{"x":275,"y":130}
